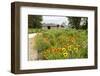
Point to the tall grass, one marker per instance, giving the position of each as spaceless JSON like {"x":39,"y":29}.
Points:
{"x":61,"y":43}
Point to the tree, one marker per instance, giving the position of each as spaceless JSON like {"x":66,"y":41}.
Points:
{"x":34,"y":21}
{"x":78,"y":22}
{"x":74,"y":22}
{"x":84,"y":20}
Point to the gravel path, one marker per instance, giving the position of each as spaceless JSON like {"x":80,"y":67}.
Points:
{"x":33,"y":54}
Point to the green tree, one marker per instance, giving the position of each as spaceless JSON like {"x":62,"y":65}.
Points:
{"x":34,"y":21}
{"x":84,"y":20}
{"x":74,"y":22}
{"x":78,"y":22}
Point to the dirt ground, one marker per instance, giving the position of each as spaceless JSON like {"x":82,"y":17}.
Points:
{"x":32,"y":53}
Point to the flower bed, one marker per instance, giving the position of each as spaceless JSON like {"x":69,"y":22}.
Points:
{"x":61,"y":44}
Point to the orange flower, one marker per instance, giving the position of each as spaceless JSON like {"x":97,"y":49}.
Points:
{"x":46,"y":39}
{"x":65,"y":46}
{"x":71,"y":38}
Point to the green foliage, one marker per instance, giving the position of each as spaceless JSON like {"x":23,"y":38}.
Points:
{"x":78,"y":22}
{"x":85,"y":23}
{"x":61,"y":44}
{"x":31,"y":30}
{"x":41,"y":43}
{"x":74,"y":22}
{"x":34,"y":21}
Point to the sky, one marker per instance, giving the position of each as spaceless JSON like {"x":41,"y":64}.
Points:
{"x":55,"y":19}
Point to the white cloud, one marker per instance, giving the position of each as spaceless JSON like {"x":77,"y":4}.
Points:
{"x":54,"y":19}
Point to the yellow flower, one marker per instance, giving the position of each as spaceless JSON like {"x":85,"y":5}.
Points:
{"x":69,"y":47}
{"x":78,"y":46}
{"x":65,"y":54}
{"x":76,"y":49}
{"x":63,"y":49}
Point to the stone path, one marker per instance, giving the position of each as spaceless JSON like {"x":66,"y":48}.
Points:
{"x":33,"y":54}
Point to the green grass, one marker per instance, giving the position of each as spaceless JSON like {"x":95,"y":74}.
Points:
{"x":31,"y":30}
{"x":61,"y":43}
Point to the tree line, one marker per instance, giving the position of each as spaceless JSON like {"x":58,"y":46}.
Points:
{"x":78,"y":22}
{"x":34,"y":21}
